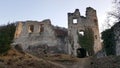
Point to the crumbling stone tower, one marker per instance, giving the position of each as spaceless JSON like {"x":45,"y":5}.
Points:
{"x":78,"y":24}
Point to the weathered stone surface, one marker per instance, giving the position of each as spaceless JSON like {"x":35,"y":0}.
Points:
{"x":33,"y":34}
{"x":18,"y":30}
{"x":81,"y":23}
{"x":101,"y":54}
{"x":116,"y":30}
{"x":19,"y":48}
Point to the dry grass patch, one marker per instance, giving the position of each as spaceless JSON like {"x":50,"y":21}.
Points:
{"x":61,"y":58}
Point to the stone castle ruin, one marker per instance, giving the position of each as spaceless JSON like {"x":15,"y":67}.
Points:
{"x":78,"y":24}
{"x":34,"y":36}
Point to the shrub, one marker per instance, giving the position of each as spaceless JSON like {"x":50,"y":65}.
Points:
{"x":87,"y":41}
{"x":108,"y":41}
{"x":6,"y":37}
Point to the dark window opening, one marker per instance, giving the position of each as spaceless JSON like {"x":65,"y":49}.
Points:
{"x":95,"y":36}
{"x":41,"y":29}
{"x":31,"y":29}
{"x":95,"y":21}
{"x":81,"y":53}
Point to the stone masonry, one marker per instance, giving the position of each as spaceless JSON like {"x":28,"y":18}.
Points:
{"x":78,"y":23}
{"x":116,"y":30}
{"x":33,"y":34}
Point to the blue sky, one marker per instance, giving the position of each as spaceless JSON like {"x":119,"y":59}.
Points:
{"x":55,"y":10}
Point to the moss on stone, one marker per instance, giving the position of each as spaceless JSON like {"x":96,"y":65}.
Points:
{"x":87,"y":41}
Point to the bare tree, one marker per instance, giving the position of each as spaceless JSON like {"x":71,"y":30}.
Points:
{"x":113,"y":16}
{"x":115,"y":13}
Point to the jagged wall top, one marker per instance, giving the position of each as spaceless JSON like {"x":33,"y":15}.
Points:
{"x":89,"y":12}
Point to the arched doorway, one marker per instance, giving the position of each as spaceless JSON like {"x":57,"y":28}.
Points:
{"x":81,"y":52}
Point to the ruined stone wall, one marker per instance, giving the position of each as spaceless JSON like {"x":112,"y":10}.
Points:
{"x":33,"y":34}
{"x":18,"y":30}
{"x":116,"y":30}
{"x":78,"y":23}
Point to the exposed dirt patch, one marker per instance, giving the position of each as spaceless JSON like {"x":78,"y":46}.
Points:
{"x":71,"y":62}
{"x":14,"y":59}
